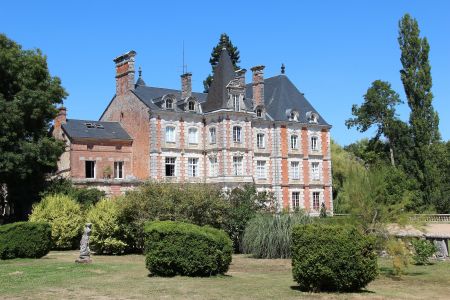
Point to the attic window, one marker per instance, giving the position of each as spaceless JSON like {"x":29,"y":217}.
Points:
{"x":293,"y":116}
{"x":191,"y":105}
{"x":94,"y":125}
{"x":169,"y":104}
{"x":99,"y":126}
{"x":259,"y":112}
{"x":312,"y":117}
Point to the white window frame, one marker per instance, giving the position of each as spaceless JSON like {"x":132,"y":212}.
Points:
{"x":261,"y":169}
{"x":119,"y":170}
{"x":294,"y":141}
{"x":259,"y":113}
{"x":295,"y":170}
{"x":170,"y":161}
{"x":236,"y":102}
{"x":193,"y":167}
{"x":316,"y":199}
{"x":315,"y":170}
{"x":169,"y":103}
{"x":191,"y":102}
{"x":237,"y":165}
{"x":260,"y":140}
{"x":212,"y":135}
{"x":295,"y":200}
{"x":314,"y":143}
{"x":237,"y":134}
{"x":213,"y":166}
{"x":193,"y":135}
{"x":170,"y":134}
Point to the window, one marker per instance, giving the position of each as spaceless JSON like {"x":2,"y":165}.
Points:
{"x":259,"y":112}
{"x":213,"y":167}
{"x":170,"y":134}
{"x":237,"y":165}
{"x":192,"y":136}
{"x":295,"y":200}
{"x":118,"y":169}
{"x":236,"y":104}
{"x":192,"y":167}
{"x":260,"y":143}
{"x":260,"y":169}
{"x":314,"y":143}
{"x":316,"y":200}
{"x":212,"y":135}
{"x":315,"y":171}
{"x":90,"y":168}
{"x":170,"y":166}
{"x":295,"y":169}
{"x":169,"y":104}
{"x":236,"y":134}
{"x":191,"y":105}
{"x":294,"y":142}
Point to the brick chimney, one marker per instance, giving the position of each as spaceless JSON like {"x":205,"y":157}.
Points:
{"x":60,"y":119}
{"x":125,"y":72}
{"x":186,"y":85}
{"x":258,"y":85}
{"x":240,"y":74}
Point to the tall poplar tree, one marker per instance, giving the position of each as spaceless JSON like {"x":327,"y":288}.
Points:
{"x":224,"y":41}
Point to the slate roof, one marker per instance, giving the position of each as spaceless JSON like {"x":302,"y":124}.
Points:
{"x":77,"y":129}
{"x":223,"y":74}
{"x":281,"y":96}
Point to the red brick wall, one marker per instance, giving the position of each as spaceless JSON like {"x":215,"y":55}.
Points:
{"x":284,"y":165}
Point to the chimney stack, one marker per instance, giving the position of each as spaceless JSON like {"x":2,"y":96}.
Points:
{"x":186,"y":85}
{"x":125,"y":72}
{"x":240,"y":74}
{"x":258,"y":85}
{"x":60,"y":119}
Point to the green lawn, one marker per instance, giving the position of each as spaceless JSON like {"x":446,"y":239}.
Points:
{"x":56,"y":276}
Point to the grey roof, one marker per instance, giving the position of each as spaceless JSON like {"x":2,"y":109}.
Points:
{"x":223,"y":74}
{"x":281,"y":96}
{"x":106,"y":131}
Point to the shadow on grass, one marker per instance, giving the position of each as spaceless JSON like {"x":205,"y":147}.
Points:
{"x":150,"y":275}
{"x":389,"y":273}
{"x":361,"y":291}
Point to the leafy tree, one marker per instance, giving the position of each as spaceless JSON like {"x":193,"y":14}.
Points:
{"x":233,"y":51}
{"x":28,"y":95}
{"x":378,"y":110}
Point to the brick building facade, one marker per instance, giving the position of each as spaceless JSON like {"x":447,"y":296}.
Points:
{"x":264,"y":132}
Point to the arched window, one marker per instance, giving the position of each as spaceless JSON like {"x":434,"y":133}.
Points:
{"x":192,"y":136}
{"x":260,"y":141}
{"x":169,"y":104}
{"x":212,"y":135}
{"x":314,"y":143}
{"x":236,"y":134}
{"x":294,"y":141}
{"x":259,"y":113}
{"x":191,"y":106}
{"x":170,"y":134}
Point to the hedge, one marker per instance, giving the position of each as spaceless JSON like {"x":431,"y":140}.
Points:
{"x":332,"y":258}
{"x":25,"y":239}
{"x":177,"y":248}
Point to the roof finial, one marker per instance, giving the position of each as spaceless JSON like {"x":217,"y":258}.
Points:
{"x":223,"y":41}
{"x":282,"y":69}
{"x":140,"y":72}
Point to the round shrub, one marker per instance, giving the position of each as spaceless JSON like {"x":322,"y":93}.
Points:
{"x":25,"y":239}
{"x":332,"y":258}
{"x":65,"y":217}
{"x":423,"y":250}
{"x":176,"y":248}
{"x":269,"y":236}
{"x":107,"y":233}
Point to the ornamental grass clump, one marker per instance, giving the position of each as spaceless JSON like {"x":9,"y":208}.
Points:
{"x":177,"y":248}
{"x":269,"y":235}
{"x":329,"y":257}
{"x":25,"y":240}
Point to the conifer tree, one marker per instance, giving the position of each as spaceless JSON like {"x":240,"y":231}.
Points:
{"x":233,"y":51}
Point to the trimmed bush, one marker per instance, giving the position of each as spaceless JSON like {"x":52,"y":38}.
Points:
{"x":177,"y":248}
{"x":25,"y":239}
{"x":107,"y":233}
{"x":332,"y":258}
{"x":269,"y":236}
{"x":65,"y":217}
{"x":423,"y":250}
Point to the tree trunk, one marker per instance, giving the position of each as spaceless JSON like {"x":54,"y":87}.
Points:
{"x":391,"y":152}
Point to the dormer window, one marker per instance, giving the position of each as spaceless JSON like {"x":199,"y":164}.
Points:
{"x":191,"y":106}
{"x":236,"y":104}
{"x":169,"y":104}
{"x":294,"y":116}
{"x":259,"y":113}
{"x":312,"y":117}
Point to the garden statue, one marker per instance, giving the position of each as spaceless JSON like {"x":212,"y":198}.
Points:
{"x":85,"y":252}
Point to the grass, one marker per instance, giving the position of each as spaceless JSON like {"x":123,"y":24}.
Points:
{"x":56,"y":276}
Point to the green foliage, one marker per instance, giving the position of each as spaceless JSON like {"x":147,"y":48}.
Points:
{"x":332,"y":258}
{"x":25,"y":239}
{"x":233,"y":51}
{"x":399,"y":255}
{"x":269,"y":235}
{"x":200,"y":204}
{"x":84,"y":196}
{"x":323,"y":211}
{"x":65,"y":217}
{"x":244,"y":204}
{"x":107,"y":233}
{"x":176,"y":248}
{"x":28,"y":95}
{"x":423,"y":250}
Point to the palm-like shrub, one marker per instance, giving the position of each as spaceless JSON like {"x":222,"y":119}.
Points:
{"x":64,"y":216}
{"x":107,"y":234}
{"x":269,"y":235}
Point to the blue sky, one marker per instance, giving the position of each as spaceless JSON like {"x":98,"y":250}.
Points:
{"x":332,"y":50}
